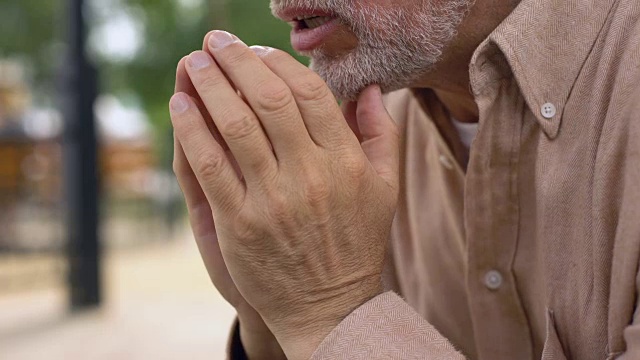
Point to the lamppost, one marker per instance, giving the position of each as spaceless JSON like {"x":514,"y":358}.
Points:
{"x":81,"y":165}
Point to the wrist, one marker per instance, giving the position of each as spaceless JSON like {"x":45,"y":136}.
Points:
{"x":256,"y":338}
{"x":251,"y":321}
{"x":304,"y":331}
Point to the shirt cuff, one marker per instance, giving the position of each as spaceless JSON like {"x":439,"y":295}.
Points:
{"x":385,"y":327}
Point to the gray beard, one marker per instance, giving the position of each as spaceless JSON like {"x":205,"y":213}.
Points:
{"x":389,"y":52}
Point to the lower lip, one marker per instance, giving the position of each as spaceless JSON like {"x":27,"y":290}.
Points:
{"x":309,"y":39}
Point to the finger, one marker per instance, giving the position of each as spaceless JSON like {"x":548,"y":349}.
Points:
{"x":205,"y":156}
{"x":316,"y":103}
{"x":201,"y":220}
{"x":200,"y":214}
{"x":198,"y":206}
{"x":193,"y":194}
{"x":184,"y":84}
{"x":267,"y":94}
{"x":237,"y":123}
{"x":349,"y":112}
{"x":200,"y":217}
{"x":205,"y":48}
{"x":205,"y":43}
{"x":380,"y":137}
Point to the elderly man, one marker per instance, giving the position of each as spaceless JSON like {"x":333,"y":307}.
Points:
{"x":487,"y":208}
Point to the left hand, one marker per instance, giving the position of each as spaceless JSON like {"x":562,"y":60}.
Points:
{"x":304,"y":231}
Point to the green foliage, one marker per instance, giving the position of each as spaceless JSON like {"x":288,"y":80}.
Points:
{"x":30,"y":29}
{"x":170,"y":36}
{"x":252,"y":21}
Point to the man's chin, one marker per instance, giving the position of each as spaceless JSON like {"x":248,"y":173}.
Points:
{"x":338,"y":87}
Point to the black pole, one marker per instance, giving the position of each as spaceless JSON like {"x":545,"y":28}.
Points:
{"x":80,"y":164}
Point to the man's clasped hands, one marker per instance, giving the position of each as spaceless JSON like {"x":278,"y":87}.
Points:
{"x":290,"y":196}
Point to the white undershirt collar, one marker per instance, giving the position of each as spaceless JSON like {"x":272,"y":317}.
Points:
{"x":466,"y":131}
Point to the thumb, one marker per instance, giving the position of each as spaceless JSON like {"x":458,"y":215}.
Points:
{"x":349,"y":111}
{"x":379,"y":135}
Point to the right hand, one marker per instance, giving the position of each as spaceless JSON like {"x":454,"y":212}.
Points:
{"x":257,"y":339}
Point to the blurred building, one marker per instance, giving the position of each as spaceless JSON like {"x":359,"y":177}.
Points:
{"x":31,"y":161}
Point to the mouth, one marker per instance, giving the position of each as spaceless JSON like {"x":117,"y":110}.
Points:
{"x":295,"y":14}
{"x":310,"y":27}
{"x":309,"y":22}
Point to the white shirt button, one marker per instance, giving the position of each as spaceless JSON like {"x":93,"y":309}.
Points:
{"x":548,"y":110}
{"x":446,"y":162}
{"x":493,"y":280}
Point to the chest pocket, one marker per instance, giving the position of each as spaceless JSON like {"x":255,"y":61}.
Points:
{"x":552,"y":347}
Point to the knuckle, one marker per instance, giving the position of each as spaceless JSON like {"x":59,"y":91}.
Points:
{"x":273,"y":96}
{"x":210,"y":82}
{"x":366,"y":112}
{"x":316,"y":188}
{"x":244,"y":225}
{"x":235,"y":54}
{"x":278,"y":55}
{"x":209,"y":165}
{"x":278,"y":206}
{"x":310,"y":87}
{"x":238,"y":126}
{"x":356,"y":167}
{"x":184,"y":125}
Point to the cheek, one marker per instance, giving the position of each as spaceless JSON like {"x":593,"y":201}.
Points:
{"x":391,"y":5}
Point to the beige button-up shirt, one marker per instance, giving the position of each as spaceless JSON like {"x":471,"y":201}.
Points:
{"x":532,"y":251}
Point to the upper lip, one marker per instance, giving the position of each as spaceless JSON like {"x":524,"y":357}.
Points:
{"x":297,"y":13}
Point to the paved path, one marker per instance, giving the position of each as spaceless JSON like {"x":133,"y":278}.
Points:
{"x":159,"y":305}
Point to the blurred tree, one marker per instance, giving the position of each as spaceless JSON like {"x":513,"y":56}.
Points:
{"x":252,"y":21}
{"x":174,"y":28}
{"x":31,"y":30}
{"x":170,"y":29}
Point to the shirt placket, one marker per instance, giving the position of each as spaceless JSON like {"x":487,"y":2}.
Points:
{"x":492,"y":215}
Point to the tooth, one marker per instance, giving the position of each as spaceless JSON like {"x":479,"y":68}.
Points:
{"x":317,"y":21}
{"x":312,"y":21}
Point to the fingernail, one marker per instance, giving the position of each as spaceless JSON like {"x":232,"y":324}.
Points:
{"x":179,"y":103}
{"x":199,"y":60}
{"x":220,"y":39}
{"x":260,"y":50}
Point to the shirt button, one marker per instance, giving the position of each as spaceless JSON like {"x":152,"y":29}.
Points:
{"x":493,"y":280}
{"x":548,"y":110}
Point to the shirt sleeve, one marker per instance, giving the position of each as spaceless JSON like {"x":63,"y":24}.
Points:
{"x":632,"y":339}
{"x":385,"y":327}
{"x":629,"y":223}
{"x":235,"y":350}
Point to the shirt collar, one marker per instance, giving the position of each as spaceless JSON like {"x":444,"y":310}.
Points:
{"x":545,"y":43}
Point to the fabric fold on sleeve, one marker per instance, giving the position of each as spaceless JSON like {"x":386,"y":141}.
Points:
{"x":385,"y":327}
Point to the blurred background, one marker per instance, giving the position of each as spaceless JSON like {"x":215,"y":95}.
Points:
{"x":96,"y":257}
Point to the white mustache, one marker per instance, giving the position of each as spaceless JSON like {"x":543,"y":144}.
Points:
{"x":340,"y":8}
{"x":396,"y":44}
